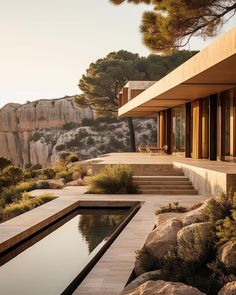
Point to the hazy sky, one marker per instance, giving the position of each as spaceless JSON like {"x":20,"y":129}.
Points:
{"x":46,"y":45}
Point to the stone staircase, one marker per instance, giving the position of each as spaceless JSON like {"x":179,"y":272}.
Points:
{"x":164,"y":185}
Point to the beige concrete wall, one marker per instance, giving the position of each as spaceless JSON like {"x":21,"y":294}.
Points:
{"x":207,"y":182}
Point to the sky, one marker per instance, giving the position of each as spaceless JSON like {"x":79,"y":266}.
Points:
{"x":46,"y":45}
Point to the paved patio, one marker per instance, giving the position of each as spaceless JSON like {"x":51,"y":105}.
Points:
{"x":145,"y":158}
{"x":110,"y":274}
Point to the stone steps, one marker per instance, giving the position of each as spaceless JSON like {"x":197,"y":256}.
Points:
{"x":164,"y":185}
{"x":170,"y":192}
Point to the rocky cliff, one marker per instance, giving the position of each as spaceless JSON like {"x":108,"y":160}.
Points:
{"x":39,"y":132}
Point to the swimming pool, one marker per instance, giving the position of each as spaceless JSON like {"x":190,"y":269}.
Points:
{"x":62,"y":253}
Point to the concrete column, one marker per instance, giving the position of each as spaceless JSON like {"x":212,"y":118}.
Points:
{"x":197,"y":129}
{"x":188,"y":130}
{"x":162,"y":129}
{"x":213,"y":127}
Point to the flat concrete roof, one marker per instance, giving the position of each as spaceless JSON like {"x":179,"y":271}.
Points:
{"x":210,"y":71}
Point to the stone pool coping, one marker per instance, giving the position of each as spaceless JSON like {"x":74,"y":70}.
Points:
{"x":112,"y":271}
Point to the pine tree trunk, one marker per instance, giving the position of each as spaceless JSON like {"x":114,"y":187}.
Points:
{"x":132,"y":134}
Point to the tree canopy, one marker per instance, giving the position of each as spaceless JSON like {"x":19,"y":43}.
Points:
{"x":171,"y":23}
{"x":4,"y":162}
{"x":105,"y":78}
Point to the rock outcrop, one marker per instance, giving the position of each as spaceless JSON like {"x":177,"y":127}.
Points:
{"x":163,"y":288}
{"x":228,"y":289}
{"x":20,"y":126}
{"x":163,"y":238}
{"x":192,"y":241}
{"x":227,"y":254}
{"x":39,"y":132}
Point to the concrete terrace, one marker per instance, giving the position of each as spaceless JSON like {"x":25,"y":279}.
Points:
{"x":110,"y":274}
{"x":208,"y":177}
{"x":158,"y":159}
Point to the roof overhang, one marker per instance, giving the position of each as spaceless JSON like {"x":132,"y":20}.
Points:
{"x":211,"y":71}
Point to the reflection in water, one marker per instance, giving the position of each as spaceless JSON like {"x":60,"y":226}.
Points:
{"x":95,"y":227}
{"x":50,"y":261}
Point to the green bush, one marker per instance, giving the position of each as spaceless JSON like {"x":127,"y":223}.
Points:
{"x":88,"y":122}
{"x":147,"y":261}
{"x":72,"y":158}
{"x":4,"y":162}
{"x":13,"y":174}
{"x":36,"y":167}
{"x":10,"y":194}
{"x":26,"y":186}
{"x":226,"y":227}
{"x":90,"y":141}
{"x":69,"y":126}
{"x":60,"y":147}
{"x":171,"y":208}
{"x":25,"y":204}
{"x":113,"y":179}
{"x":49,"y":173}
{"x":42,"y":185}
{"x":67,"y":175}
{"x":36,"y":136}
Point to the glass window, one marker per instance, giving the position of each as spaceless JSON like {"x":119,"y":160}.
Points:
{"x":178,"y":116}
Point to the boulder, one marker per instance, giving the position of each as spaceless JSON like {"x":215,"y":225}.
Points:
{"x":76,"y":175}
{"x":89,"y":172}
{"x":147,"y":276}
{"x":163,"y":238}
{"x":73,"y":183}
{"x":228,"y":289}
{"x":193,"y":240}
{"x":163,"y":217}
{"x":227,"y":254}
{"x":162,"y":288}
{"x":139,"y":268}
{"x":195,"y":216}
{"x":53,"y":183}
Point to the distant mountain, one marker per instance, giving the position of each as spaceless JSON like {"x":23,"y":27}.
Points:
{"x":39,"y":132}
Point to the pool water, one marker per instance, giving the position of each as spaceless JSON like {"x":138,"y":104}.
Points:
{"x":52,"y":263}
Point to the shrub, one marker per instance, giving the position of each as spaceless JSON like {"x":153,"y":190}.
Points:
{"x":36,"y":136}
{"x":60,"y":147}
{"x":49,"y":173}
{"x":58,"y":166}
{"x":25,"y":204}
{"x":4,"y":162}
{"x":13,"y":174}
{"x":69,"y":126}
{"x":171,"y":208}
{"x":10,"y":195}
{"x":116,"y":144}
{"x":88,"y":122}
{"x":226,"y":227}
{"x":36,"y":167}
{"x":26,"y":186}
{"x":90,"y":141}
{"x":72,"y":158}
{"x":4,"y":182}
{"x":67,"y":175}
{"x":113,"y":179}
{"x":42,"y":185}
{"x":219,"y":208}
{"x":147,"y":261}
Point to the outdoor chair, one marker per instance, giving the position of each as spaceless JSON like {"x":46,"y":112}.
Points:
{"x":142,"y":149}
{"x":154,"y":150}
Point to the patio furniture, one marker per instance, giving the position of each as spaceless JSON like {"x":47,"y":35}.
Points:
{"x":142,"y":149}
{"x":157,"y":150}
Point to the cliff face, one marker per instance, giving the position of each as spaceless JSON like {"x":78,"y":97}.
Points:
{"x":18,"y":123}
{"x":39,"y":132}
